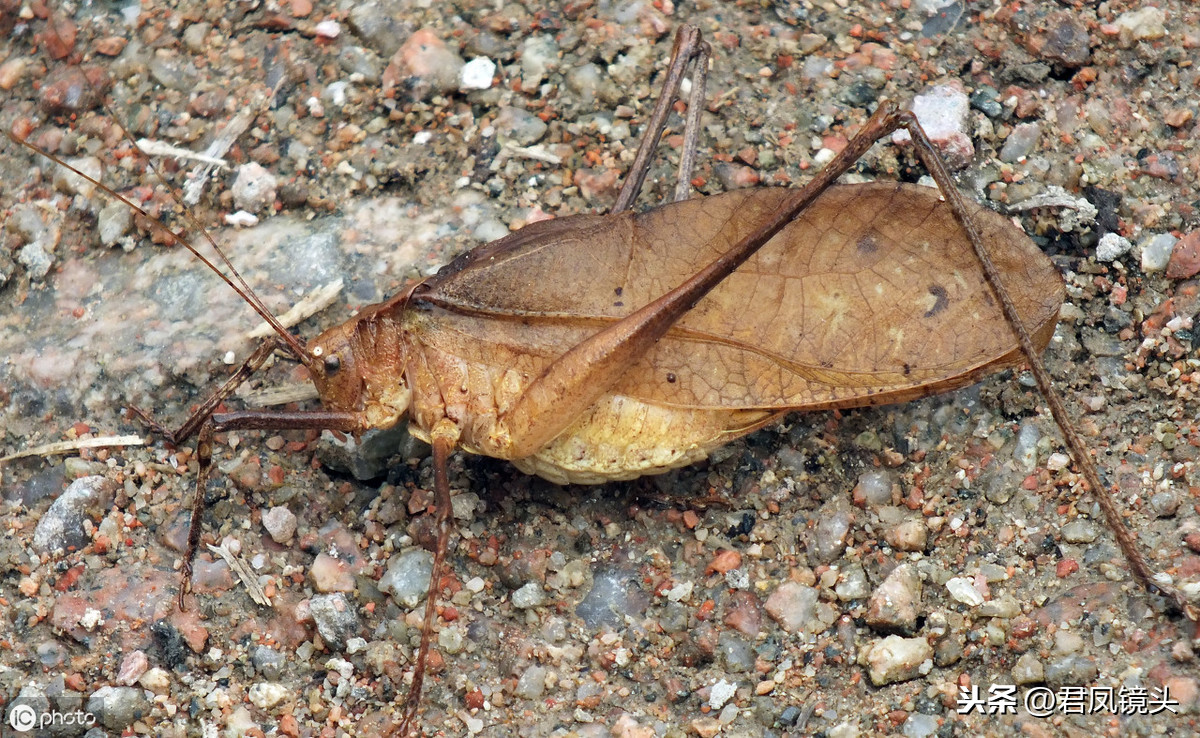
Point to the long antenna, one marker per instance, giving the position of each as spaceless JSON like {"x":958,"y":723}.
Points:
{"x":233,"y":278}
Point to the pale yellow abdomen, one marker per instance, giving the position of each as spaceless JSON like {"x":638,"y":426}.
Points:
{"x":624,"y":438}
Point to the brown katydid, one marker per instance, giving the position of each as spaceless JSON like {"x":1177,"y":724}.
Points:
{"x":558,"y":386}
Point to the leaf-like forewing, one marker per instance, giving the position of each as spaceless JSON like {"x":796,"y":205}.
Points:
{"x":872,"y":295}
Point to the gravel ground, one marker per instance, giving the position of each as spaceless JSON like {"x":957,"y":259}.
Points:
{"x":842,"y":574}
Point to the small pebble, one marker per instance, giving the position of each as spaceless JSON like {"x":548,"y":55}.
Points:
{"x":423,"y":67}
{"x":62,"y":527}
{"x":1063,"y":39}
{"x":280,"y":523}
{"x":12,"y":70}
{"x":67,"y":90}
{"x":531,"y":685}
{"x":963,"y":590}
{"x":335,"y":618}
{"x":1112,"y":247}
{"x":490,"y":229}
{"x":1185,"y":690}
{"x":267,"y":661}
{"x":614,"y":595}
{"x":157,"y":680}
{"x":1025,"y":449}
{"x":241,"y":219}
{"x":1164,"y":504}
{"x":328,"y":29}
{"x":1079,"y":531}
{"x":519,"y":126}
{"x":1185,"y":257}
{"x":829,"y":535}
{"x":539,"y":54}
{"x":133,"y":665}
{"x":680,"y":591}
{"x":895,"y":659}
{"x":1071,"y":671}
{"x":330,"y":574}
{"x":1028,"y":669}
{"x":792,"y":605}
{"x":1001,"y":607}
{"x":852,"y":584}
{"x":1058,"y":462}
{"x":790,"y":716}
{"x":1143,"y":24}
{"x":117,"y":708}
{"x":407,"y":577}
{"x":584,"y":80}
{"x":241,"y":723}
{"x":919,"y":725}
{"x":529,"y":596}
{"x":895,"y":603}
{"x":266,"y":695}
{"x":908,"y":535}
{"x":36,"y":260}
{"x":720,"y":693}
{"x":984,"y":100}
{"x":364,"y":457}
{"x":874,"y":488}
{"x":1067,"y":642}
{"x":1021,"y":142}
{"x":71,"y":183}
{"x":254,"y":188}
{"x":706,"y":727}
{"x":737,"y":655}
{"x":450,"y":640}
{"x":477,"y":74}
{"x":942,"y":111}
{"x":948,"y":650}
{"x":195,"y":36}
{"x":1156,"y":252}
{"x":113,"y":223}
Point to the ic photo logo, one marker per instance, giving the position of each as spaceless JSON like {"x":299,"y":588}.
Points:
{"x":23,"y":718}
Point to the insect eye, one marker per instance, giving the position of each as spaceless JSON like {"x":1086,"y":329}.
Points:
{"x":332,"y":363}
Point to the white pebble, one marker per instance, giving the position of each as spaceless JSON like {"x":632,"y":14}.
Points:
{"x":241,"y":219}
{"x":680,"y":592}
{"x":962,"y":589}
{"x":266,"y":695}
{"x":328,"y":29}
{"x":280,"y":522}
{"x":721,"y":693}
{"x":477,"y":74}
{"x":1058,"y":461}
{"x":1112,"y":247}
{"x":1156,"y":252}
{"x":254,"y":188}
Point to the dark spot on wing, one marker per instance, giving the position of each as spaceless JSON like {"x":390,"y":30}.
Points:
{"x":867,"y":244}
{"x":907,"y":369}
{"x":940,"y":303}
{"x":619,"y":290}
{"x":671,"y":377}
